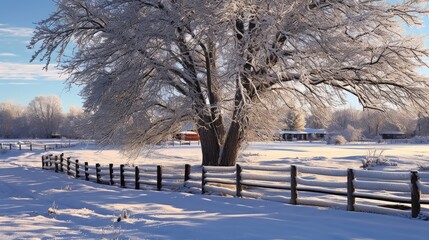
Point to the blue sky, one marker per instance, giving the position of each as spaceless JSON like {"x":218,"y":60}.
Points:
{"x":21,"y":81}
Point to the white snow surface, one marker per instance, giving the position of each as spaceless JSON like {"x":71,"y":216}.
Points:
{"x":42,"y":204}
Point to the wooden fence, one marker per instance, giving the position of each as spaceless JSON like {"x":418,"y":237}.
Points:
{"x":35,"y":146}
{"x":394,"y":193}
{"x":122,"y":175}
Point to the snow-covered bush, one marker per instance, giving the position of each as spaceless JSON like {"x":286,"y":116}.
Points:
{"x":67,"y":188}
{"x":336,"y":140}
{"x":123,"y":215}
{"x":423,"y":168}
{"x":53,"y":209}
{"x":420,"y":140}
{"x":376,"y":158}
{"x":351,"y":133}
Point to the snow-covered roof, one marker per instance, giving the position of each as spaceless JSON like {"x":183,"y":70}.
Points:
{"x":393,"y":132}
{"x":305,"y":131}
{"x":313,"y":130}
{"x":187,"y":132}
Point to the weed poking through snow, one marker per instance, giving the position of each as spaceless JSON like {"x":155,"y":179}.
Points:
{"x":53,"y":209}
{"x":123,"y":215}
{"x":376,"y":158}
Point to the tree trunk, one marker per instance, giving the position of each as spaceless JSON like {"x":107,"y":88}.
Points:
{"x":209,"y":146}
{"x":232,"y":145}
{"x":235,"y":135}
{"x":212,"y":135}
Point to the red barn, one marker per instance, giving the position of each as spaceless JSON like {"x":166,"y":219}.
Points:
{"x":188,"y":136}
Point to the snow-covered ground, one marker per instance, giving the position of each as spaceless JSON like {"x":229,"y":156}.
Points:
{"x":41,"y":204}
{"x":406,"y":156}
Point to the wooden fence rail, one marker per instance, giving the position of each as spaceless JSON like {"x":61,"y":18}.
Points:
{"x":295,"y":184}
{"x":34,"y":146}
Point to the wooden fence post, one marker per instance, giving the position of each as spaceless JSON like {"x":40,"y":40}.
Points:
{"x":350,"y":190}
{"x":121,"y":173}
{"x":68,"y":166}
{"x":415,"y":195}
{"x":56,"y":163}
{"x":77,"y":168}
{"x":187,"y":172}
{"x":293,"y":185}
{"x":61,"y":162}
{"x":97,"y":172}
{"x":43,"y":162}
{"x":86,"y":171}
{"x":238,"y":187}
{"x":50,"y":161}
{"x":111,"y":173}
{"x":158,"y":178}
{"x":137,"y":178}
{"x":203,"y":180}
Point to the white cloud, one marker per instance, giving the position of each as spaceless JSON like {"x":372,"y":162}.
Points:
{"x":20,"y":71}
{"x":15,"y":31}
{"x":8,"y":55}
{"x":16,"y":83}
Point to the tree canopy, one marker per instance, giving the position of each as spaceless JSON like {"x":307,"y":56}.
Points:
{"x":149,"y":66}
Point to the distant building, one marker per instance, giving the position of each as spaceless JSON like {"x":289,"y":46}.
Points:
{"x":187,"y":133}
{"x":188,"y":136}
{"x":308,"y":134}
{"x":55,"y":135}
{"x":392,"y":135}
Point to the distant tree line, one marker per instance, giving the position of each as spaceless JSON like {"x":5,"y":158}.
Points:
{"x":43,"y":117}
{"x":354,"y":124}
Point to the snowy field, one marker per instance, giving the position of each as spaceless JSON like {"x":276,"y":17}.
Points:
{"x":406,"y":156}
{"x":41,"y":204}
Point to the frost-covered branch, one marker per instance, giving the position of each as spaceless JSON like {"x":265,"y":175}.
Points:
{"x":223,"y":64}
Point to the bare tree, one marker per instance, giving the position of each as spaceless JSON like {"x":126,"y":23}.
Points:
{"x":320,"y":117}
{"x":45,"y":115}
{"x":351,"y":134}
{"x":342,"y":118}
{"x":71,"y":123}
{"x":399,"y":120}
{"x":148,"y":66}
{"x":372,"y":122}
{"x":422,"y":125}
{"x":295,"y":120}
{"x":12,"y":120}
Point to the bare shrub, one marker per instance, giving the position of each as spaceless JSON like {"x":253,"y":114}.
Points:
{"x":337,"y":140}
{"x":376,"y":158}
{"x":423,"y":168}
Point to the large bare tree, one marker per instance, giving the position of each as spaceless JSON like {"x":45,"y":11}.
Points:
{"x":45,"y":115}
{"x":148,"y":66}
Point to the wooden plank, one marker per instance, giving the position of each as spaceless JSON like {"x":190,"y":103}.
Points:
{"x":266,"y":168}
{"x":158,"y":178}
{"x":415,"y":195}
{"x":293,"y":185}
{"x":350,"y":191}
{"x":238,"y":187}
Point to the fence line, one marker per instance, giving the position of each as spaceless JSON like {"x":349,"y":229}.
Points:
{"x":296,"y":185}
{"x":31,"y":146}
